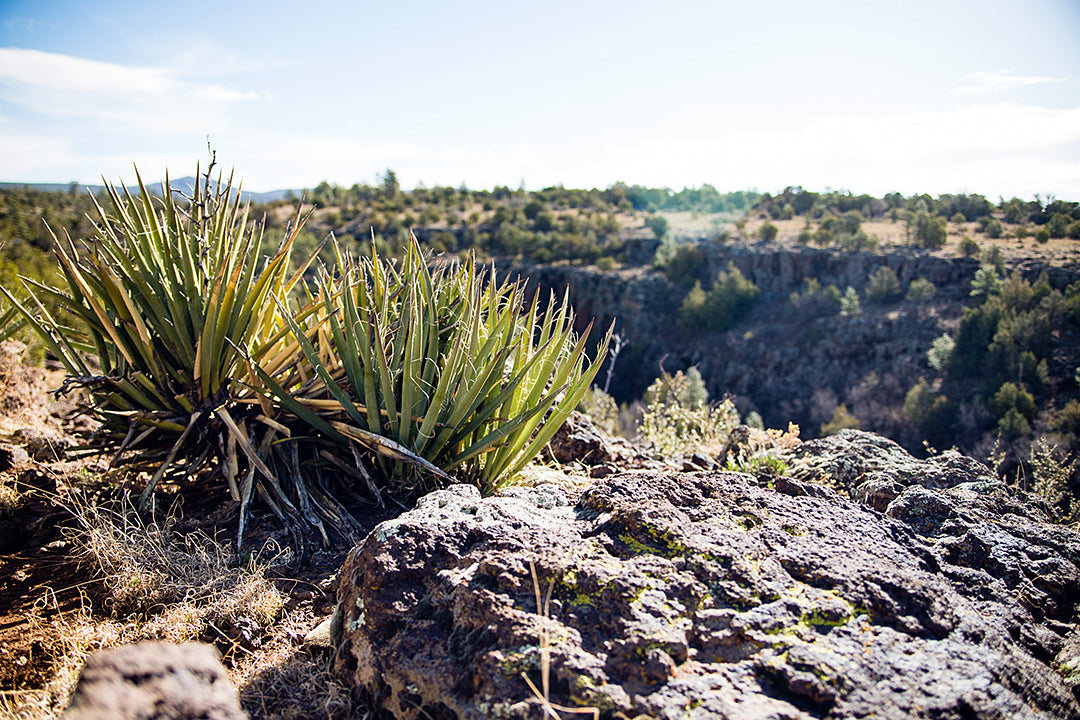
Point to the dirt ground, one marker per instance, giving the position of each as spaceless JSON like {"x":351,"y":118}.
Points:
{"x":57,"y":604}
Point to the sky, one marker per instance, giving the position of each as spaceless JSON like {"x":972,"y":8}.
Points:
{"x":934,"y":96}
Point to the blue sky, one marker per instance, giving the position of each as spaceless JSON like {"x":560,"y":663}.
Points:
{"x":865,"y":96}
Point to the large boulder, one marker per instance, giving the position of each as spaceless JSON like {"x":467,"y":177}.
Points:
{"x":713,"y":595}
{"x":155,"y":681}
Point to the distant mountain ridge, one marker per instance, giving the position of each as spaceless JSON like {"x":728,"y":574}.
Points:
{"x":184,"y":185}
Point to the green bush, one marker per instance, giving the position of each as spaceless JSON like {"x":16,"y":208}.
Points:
{"x":883,"y":285}
{"x":1042,"y":235}
{"x":990,"y":227}
{"x":933,"y":414}
{"x":658,"y":224}
{"x":968,"y":247}
{"x":816,"y":301}
{"x":679,"y":420}
{"x":929,"y":231}
{"x":1014,"y":407}
{"x":725,"y":302}
{"x":1067,"y":421}
{"x":940,"y":352}
{"x":768,"y":232}
{"x":920,"y":291}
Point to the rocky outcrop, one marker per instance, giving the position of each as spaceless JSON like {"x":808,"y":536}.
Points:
{"x":155,"y":681}
{"x":719,"y":595}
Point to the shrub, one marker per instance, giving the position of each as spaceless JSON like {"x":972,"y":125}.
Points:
{"x":985,"y":283}
{"x":933,"y":414}
{"x":958,"y":218}
{"x":968,"y":247}
{"x":1067,"y":421}
{"x":679,"y":420}
{"x":436,"y":371}
{"x":175,"y":302}
{"x":883,"y":285}
{"x":1042,"y":235}
{"x":815,"y":300}
{"x":725,"y":302}
{"x":681,"y":262}
{"x":990,"y":227}
{"x":920,"y":291}
{"x":1014,"y":407}
{"x":841,"y":419}
{"x":768,"y":232}
{"x":929,"y":231}
{"x":601,"y":409}
{"x":658,"y":224}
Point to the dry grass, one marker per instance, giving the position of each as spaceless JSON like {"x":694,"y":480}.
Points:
{"x":153,"y":583}
{"x":1055,"y":252}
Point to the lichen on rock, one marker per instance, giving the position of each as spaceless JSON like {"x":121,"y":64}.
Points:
{"x":710,"y":595}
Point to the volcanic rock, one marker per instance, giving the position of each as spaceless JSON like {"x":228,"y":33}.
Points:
{"x":155,"y":681}
{"x":718,"y":595}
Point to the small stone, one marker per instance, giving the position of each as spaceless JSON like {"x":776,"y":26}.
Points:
{"x":155,"y":681}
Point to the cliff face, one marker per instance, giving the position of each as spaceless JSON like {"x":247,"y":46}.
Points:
{"x":782,"y":363}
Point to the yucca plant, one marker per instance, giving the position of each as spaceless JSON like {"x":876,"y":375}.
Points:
{"x":216,"y":358}
{"x":172,"y":297}
{"x":449,"y":364}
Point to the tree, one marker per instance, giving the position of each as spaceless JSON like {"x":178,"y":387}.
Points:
{"x":390,"y":185}
{"x":930,"y":231}
{"x":849,"y":304}
{"x":986,"y":282}
{"x":940,"y":352}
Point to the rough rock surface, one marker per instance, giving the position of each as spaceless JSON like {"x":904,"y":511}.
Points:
{"x":155,"y":681}
{"x":578,"y":440}
{"x":713,"y":595}
{"x":875,"y":470}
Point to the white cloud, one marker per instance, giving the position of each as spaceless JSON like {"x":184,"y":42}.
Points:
{"x":52,"y":71}
{"x":111,"y":97}
{"x":982,"y":83}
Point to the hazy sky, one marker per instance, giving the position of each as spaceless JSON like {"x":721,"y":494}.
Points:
{"x":913,"y":96}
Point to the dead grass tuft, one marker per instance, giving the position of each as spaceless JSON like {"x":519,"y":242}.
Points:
{"x":154,"y":583}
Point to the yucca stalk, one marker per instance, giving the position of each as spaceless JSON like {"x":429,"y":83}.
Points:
{"x":445,"y":363}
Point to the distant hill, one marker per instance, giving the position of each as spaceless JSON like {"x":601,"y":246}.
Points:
{"x":183,"y":184}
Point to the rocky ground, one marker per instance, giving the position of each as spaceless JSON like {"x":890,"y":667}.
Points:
{"x":861,"y":583}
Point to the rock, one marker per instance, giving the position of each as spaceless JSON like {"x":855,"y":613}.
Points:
{"x":327,"y":634}
{"x":874,"y":469}
{"x":154,"y":681}
{"x":579,"y":440}
{"x":708,"y":595}
{"x":12,"y":457}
